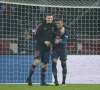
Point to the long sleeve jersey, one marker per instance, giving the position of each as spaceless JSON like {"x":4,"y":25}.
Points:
{"x":62,"y":40}
{"x":45,"y":32}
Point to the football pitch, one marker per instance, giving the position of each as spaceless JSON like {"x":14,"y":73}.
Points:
{"x":38,"y":87}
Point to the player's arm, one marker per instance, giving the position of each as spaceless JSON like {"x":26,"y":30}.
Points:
{"x":37,"y":34}
{"x":64,"y":40}
{"x":54,"y":34}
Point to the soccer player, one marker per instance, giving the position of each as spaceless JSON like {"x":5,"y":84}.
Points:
{"x":60,"y":51}
{"x":44,"y":35}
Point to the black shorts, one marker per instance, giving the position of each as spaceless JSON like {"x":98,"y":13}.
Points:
{"x":43,"y":55}
{"x":59,"y":53}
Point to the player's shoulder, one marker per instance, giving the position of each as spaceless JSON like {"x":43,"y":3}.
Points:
{"x":39,"y":24}
{"x":53,"y":24}
{"x":43,"y":23}
{"x":66,"y":32}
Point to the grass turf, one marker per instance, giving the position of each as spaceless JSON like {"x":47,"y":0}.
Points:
{"x":38,"y":87}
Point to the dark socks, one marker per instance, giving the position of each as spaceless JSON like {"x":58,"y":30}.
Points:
{"x":43,"y":72}
{"x":31,"y":71}
{"x":54,"y":71}
{"x":64,"y":72}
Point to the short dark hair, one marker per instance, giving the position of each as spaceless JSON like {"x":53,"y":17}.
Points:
{"x":49,"y":14}
{"x":60,"y":20}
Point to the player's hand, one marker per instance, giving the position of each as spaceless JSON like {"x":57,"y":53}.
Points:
{"x":50,"y":44}
{"x":62,"y":30}
{"x":47,"y":43}
{"x":57,"y":37}
{"x":56,"y":41}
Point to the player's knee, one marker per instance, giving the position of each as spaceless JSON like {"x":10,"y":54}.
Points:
{"x":36,"y":62}
{"x":64,"y":67}
{"x":44,"y":65}
{"x":54,"y":60}
{"x":63,"y":62}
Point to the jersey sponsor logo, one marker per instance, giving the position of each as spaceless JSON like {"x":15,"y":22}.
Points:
{"x":57,"y":37}
{"x":60,"y":39}
{"x":45,"y":28}
{"x":52,"y":28}
{"x":66,"y":36}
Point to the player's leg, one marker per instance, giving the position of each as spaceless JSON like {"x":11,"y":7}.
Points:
{"x":45,"y":60}
{"x":64,"y":72}
{"x":63,"y":58}
{"x":54,"y":57}
{"x":32,"y":69}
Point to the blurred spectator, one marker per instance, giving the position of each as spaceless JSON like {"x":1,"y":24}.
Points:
{"x":8,"y":9}
{"x":35,"y":22}
{"x":42,"y":9}
{"x":7,"y":20}
{"x":27,"y":19}
{"x":2,"y":8}
{"x":72,"y":41}
{"x":11,"y":29}
{"x":22,"y":43}
{"x":25,"y":43}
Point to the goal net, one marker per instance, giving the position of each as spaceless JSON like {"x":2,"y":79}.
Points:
{"x":18,"y":20}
